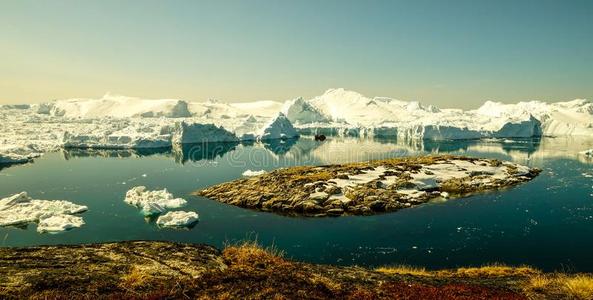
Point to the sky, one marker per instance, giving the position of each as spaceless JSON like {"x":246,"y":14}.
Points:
{"x":445,"y":53}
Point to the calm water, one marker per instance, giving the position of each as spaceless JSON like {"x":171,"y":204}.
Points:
{"x":547,"y":222}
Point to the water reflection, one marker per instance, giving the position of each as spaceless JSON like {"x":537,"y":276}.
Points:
{"x":342,"y":150}
{"x":201,"y":151}
{"x":72,"y":153}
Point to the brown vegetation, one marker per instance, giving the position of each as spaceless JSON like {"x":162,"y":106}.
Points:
{"x":159,"y":270}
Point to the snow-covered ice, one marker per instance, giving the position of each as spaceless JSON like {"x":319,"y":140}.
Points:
{"x":177,"y":219}
{"x":51,"y":215}
{"x":152,"y":202}
{"x":249,"y":173}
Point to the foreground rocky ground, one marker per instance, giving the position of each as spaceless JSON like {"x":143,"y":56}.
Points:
{"x":368,"y":187}
{"x":163,"y":270}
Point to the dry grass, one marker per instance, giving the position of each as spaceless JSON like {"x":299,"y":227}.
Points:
{"x":251,"y":254}
{"x":578,"y":286}
{"x":493,"y":270}
{"x":315,"y":176}
{"x":405,"y":270}
{"x":496,"y":270}
{"x":135,"y":278}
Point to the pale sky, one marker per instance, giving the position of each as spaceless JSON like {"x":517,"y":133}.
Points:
{"x":446,"y":53}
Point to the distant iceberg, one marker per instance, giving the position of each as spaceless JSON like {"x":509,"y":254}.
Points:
{"x":120,"y":122}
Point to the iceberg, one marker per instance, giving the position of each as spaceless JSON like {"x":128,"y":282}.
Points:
{"x":116,"y":106}
{"x":152,"y":202}
{"x":278,"y":128}
{"x":177,"y":219}
{"x":192,"y":133}
{"x":51,"y":215}
{"x":120,"y":122}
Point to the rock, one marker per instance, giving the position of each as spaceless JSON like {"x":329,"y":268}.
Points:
{"x":377,"y":205}
{"x":335,"y":211}
{"x":319,"y":196}
{"x":333,"y":190}
{"x":320,"y":137}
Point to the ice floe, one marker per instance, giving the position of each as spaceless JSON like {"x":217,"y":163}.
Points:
{"x":177,"y":219}
{"x":51,"y":215}
{"x":57,"y":223}
{"x":152,"y":202}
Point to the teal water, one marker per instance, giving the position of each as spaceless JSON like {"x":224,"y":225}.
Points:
{"x":547,"y":223}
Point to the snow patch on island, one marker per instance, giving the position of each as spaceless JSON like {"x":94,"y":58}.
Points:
{"x":250,"y":173}
{"x":51,"y":215}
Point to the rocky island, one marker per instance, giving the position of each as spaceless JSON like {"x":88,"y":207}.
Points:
{"x":366,"y":188}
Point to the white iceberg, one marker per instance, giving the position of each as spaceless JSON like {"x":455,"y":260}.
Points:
{"x":278,"y":128}
{"x":51,"y":215}
{"x":177,"y":219}
{"x":249,"y":173}
{"x":119,"y":122}
{"x":201,"y":133}
{"x":152,"y":202}
{"x":116,"y":106}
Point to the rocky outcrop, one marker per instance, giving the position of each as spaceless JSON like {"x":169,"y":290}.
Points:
{"x":370,"y":187}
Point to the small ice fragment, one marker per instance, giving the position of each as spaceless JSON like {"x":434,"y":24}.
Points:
{"x":143,"y":175}
{"x":445,"y":195}
{"x":152,"y":202}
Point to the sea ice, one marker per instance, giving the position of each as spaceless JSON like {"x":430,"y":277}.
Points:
{"x":57,"y":223}
{"x":51,"y":215}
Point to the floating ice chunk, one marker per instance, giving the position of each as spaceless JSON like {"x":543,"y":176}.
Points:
{"x":52,"y":215}
{"x":177,"y":219}
{"x":152,"y":202}
{"x":57,"y":223}
{"x":253,"y":173}
{"x":445,"y":195}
